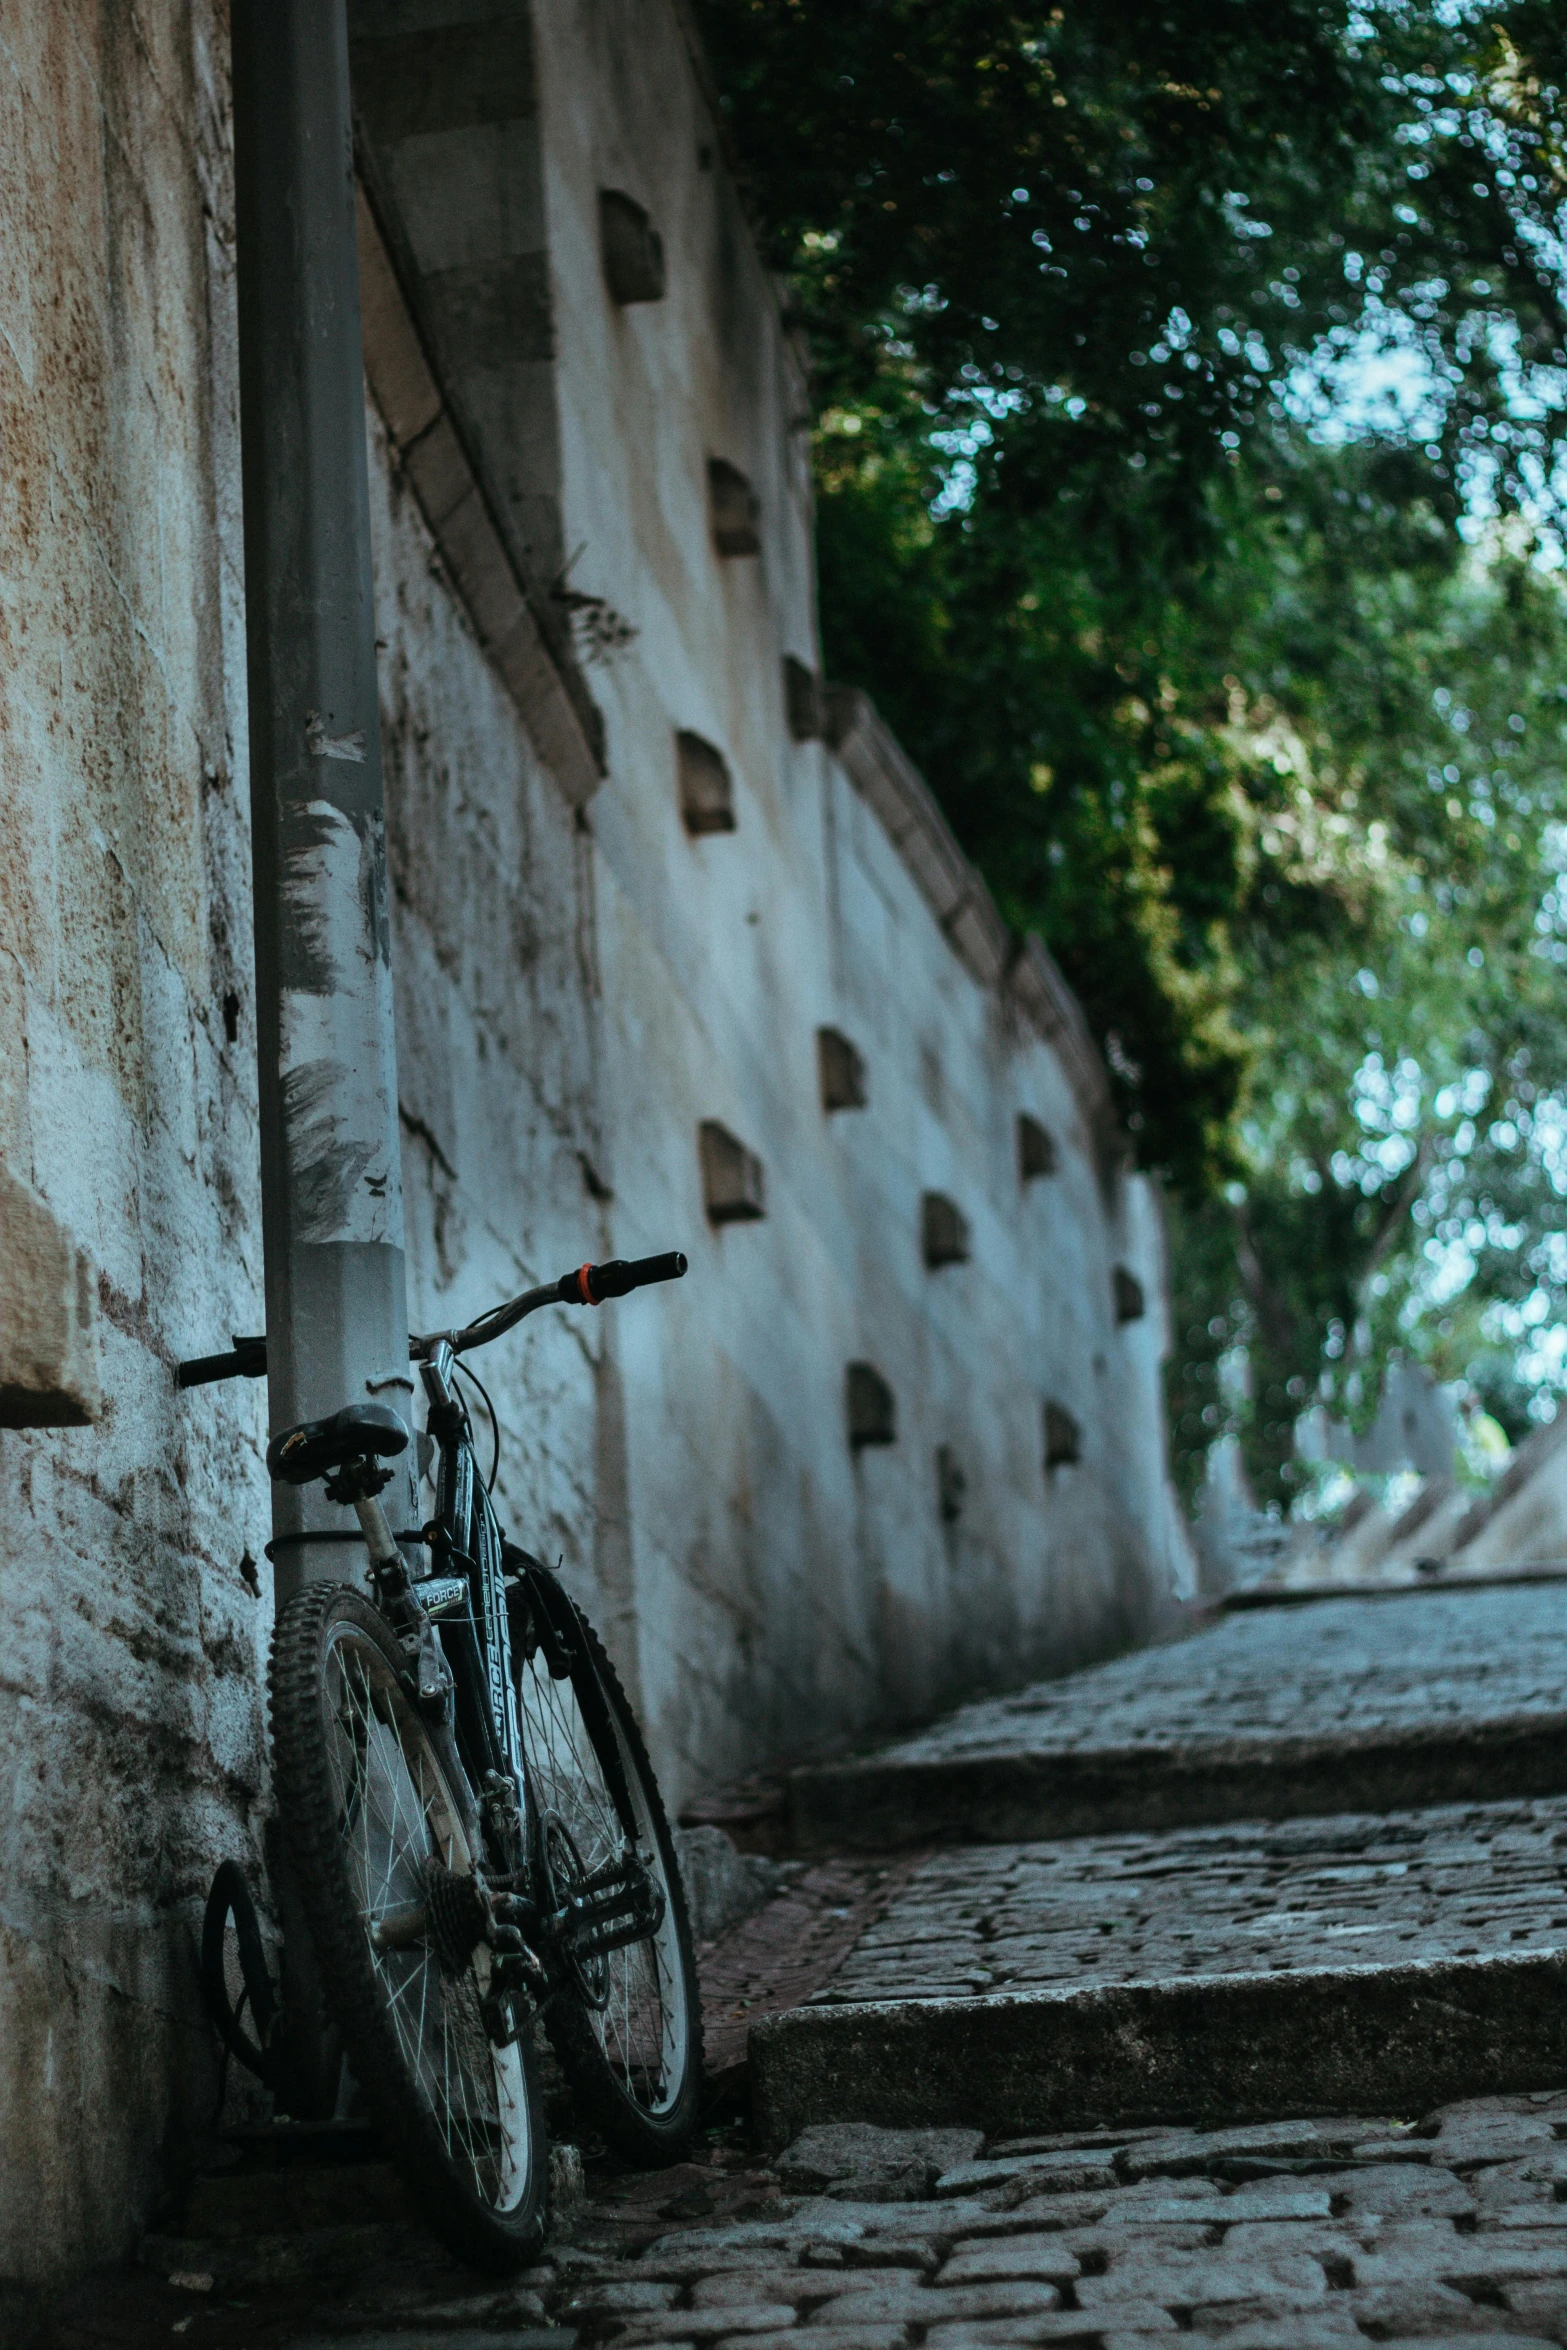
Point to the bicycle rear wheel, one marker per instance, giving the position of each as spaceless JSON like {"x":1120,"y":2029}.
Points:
{"x":630,"y":2040}
{"x":379,"y":1850}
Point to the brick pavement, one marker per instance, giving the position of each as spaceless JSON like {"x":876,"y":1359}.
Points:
{"x":778,"y":1958}
{"x":1354,"y":1704}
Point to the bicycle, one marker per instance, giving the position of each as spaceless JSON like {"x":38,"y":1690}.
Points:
{"x":474,"y":1826}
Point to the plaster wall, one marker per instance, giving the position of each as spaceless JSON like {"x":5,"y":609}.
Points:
{"x":786,"y":1586}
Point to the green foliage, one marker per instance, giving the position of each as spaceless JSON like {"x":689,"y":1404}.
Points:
{"x":1207,"y":675}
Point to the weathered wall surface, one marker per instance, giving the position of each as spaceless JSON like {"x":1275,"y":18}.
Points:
{"x":784,"y":1583}
{"x":577,"y":988}
{"x":130,"y":1734}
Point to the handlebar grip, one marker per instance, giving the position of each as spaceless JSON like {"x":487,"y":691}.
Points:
{"x":589,"y":1285}
{"x":248,"y":1361}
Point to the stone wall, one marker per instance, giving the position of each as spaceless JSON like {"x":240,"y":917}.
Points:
{"x":582,"y":983}
{"x":130,"y":1638}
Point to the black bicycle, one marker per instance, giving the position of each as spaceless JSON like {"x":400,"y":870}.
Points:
{"x":476,"y":1831}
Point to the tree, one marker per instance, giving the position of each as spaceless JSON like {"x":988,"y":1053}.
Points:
{"x":1180,"y":639}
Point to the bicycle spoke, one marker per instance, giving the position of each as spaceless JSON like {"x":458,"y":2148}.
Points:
{"x":640,"y":2026}
{"x":395,"y":1817}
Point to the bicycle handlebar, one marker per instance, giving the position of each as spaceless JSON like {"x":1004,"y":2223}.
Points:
{"x":589,"y":1285}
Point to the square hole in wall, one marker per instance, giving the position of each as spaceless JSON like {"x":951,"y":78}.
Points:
{"x":631,"y":249}
{"x":732,"y":1181}
{"x":803,"y":701}
{"x":951,"y":1485}
{"x":944,"y":1232}
{"x":707,"y":792}
{"x":1036,"y":1148}
{"x":734,"y":509}
{"x":841,"y":1066}
{"x":872,"y":1407}
{"x":1130,"y":1303}
{"x":1063,"y":1437}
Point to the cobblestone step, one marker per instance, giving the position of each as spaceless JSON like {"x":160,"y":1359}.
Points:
{"x":1357,"y":1705}
{"x":1249,"y":1970}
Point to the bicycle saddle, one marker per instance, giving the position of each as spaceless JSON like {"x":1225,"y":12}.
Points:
{"x":296,"y":1455}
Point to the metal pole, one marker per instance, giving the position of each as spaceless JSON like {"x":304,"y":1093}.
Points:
{"x":331,"y":1190}
{"x":331,"y":1187}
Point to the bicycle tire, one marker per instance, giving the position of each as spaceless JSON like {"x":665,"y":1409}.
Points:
{"x":365,"y":1809}
{"x":600,"y":2058}
{"x":230,"y":1898}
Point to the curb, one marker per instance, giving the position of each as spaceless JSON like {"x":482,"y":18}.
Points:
{"x":1391,"y":2040}
{"x":1021,"y":1796}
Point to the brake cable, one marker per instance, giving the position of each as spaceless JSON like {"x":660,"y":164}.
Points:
{"x":495,"y":1427}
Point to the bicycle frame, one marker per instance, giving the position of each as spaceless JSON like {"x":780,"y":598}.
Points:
{"x":456,"y":1619}
{"x":470,"y":1606}
{"x":471,"y":1709}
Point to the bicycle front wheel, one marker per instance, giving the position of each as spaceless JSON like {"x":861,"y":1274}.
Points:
{"x":380,"y":1851}
{"x":629,"y":2035}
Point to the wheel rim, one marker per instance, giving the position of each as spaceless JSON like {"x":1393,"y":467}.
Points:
{"x":641,"y":2027}
{"x":394,"y":1815}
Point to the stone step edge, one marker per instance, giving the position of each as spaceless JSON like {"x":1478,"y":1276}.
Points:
{"x":1391,"y":2040}
{"x":886,"y":1805}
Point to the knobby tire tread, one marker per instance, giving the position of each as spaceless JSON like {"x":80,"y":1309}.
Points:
{"x":651,"y":2141}
{"x":486,"y":2239}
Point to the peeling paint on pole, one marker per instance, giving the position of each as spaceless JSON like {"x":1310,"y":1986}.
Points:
{"x":337,"y":1062}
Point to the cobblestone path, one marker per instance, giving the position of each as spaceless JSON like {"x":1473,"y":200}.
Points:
{"x":1353,"y":1704}
{"x":1165,"y":2000}
{"x":1448,"y":2229}
{"x":1274,"y":2238}
{"x":1405,"y":1661}
{"x":1451,"y":1882}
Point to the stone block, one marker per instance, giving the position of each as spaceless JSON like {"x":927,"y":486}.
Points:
{"x":854,"y":2159}
{"x":49,"y":1372}
{"x":904,"y":2299}
{"x":1063,"y":2170}
{"x":750,"y":2288}
{"x":1541,"y":2302}
{"x":1134,"y":2322}
{"x":722,"y":1885}
{"x":1039,"y":2259}
{"x":1189,"y":2280}
{"x":853,"y":2337}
